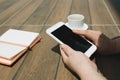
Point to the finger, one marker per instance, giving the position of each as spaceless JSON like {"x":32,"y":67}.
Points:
{"x":88,"y":33}
{"x":64,"y":55}
{"x":67,"y":50}
{"x":83,"y":32}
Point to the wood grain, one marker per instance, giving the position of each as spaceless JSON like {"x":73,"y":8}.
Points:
{"x":60,"y":12}
{"x":4,"y":4}
{"x":42,"y":61}
{"x":101,"y":18}
{"x":12,"y":10}
{"x":11,"y":71}
{"x":114,"y":10}
{"x":42,"y":13}
{"x":23,"y":15}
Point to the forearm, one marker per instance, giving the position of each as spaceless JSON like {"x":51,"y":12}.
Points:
{"x":91,"y":75}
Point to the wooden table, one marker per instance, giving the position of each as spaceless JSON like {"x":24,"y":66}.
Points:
{"x":44,"y":62}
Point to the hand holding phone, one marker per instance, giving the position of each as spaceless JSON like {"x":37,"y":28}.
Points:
{"x":64,"y":35}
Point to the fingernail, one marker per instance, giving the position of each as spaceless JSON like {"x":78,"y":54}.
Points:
{"x":62,"y":46}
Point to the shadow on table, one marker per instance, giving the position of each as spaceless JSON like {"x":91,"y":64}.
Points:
{"x":56,"y":49}
{"x":109,"y":66}
{"x":116,"y":5}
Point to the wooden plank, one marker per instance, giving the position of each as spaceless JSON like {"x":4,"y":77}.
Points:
{"x":4,"y":4}
{"x":22,"y":16}
{"x":60,"y":12}
{"x":10,"y":72}
{"x":114,"y":10}
{"x":42,"y":13}
{"x":3,"y":29}
{"x":101,"y":17}
{"x":46,"y":68}
{"x":3,"y":1}
{"x":108,"y":65}
{"x":12,"y":10}
{"x":76,"y":8}
{"x":41,"y":62}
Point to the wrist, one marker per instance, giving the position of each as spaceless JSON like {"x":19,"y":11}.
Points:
{"x":86,"y":71}
{"x":91,"y":75}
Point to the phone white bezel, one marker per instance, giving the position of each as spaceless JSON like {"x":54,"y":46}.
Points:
{"x":88,"y":53}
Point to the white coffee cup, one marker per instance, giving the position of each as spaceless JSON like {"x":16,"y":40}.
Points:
{"x":76,"y":21}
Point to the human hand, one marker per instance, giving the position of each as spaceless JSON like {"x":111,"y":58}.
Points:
{"x":79,"y":63}
{"x":103,"y":43}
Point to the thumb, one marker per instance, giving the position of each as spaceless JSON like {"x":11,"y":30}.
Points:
{"x":67,"y":50}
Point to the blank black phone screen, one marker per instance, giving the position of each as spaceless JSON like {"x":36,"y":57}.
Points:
{"x":75,"y":41}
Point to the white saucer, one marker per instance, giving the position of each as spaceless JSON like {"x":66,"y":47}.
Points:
{"x":85,"y":27}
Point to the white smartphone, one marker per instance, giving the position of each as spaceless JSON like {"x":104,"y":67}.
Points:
{"x":64,"y":35}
